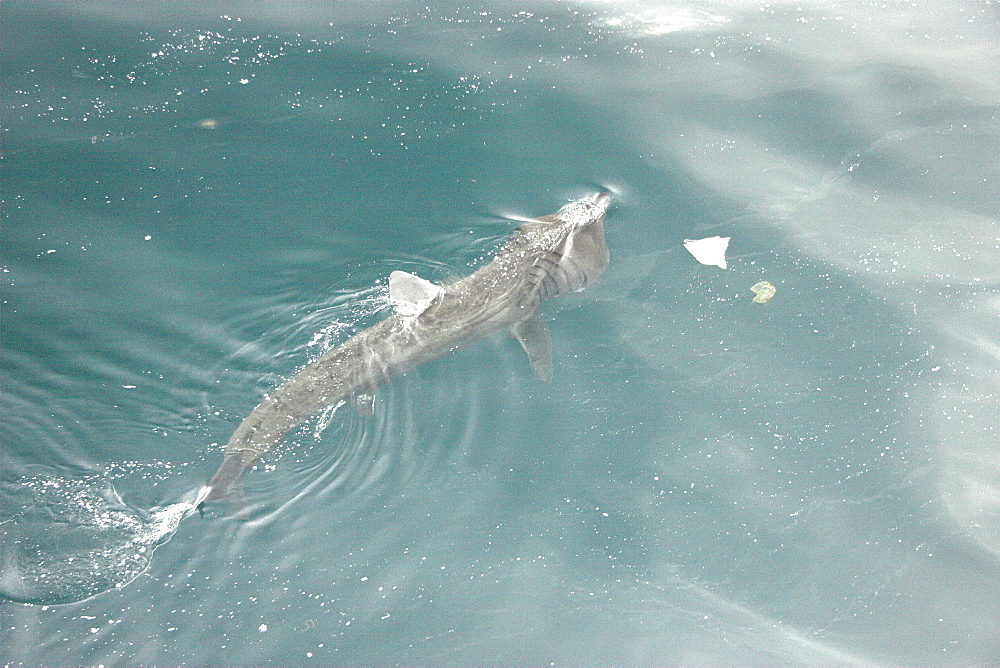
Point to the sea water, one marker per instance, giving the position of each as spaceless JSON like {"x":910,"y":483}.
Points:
{"x":200,"y":198}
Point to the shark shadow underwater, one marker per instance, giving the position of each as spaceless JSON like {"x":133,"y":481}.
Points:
{"x":543,"y":258}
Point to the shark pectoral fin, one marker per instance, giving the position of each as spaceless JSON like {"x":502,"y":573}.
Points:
{"x":409,"y":294}
{"x":533,"y":335}
{"x":364,"y":403}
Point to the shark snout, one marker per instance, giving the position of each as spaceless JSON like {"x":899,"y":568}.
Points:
{"x":599,"y":203}
{"x":585,"y":211}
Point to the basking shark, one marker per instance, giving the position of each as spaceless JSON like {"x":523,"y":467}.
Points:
{"x":544,"y":258}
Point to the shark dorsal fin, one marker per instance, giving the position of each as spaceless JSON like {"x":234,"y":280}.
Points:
{"x":533,"y":335}
{"x":409,"y":294}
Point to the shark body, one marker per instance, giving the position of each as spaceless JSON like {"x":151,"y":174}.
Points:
{"x":543,"y":258}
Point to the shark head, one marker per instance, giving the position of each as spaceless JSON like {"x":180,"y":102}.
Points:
{"x":560,"y":253}
{"x":585,"y":211}
{"x":569,"y":247}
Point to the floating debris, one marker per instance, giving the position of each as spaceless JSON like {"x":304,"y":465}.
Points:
{"x":764,"y":291}
{"x":711,"y":251}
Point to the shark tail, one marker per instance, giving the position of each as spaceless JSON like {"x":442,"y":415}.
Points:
{"x":224,"y":484}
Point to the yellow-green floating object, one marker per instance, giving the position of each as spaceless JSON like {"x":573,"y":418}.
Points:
{"x":763,"y":291}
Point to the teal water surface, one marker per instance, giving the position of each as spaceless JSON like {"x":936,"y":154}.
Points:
{"x":201,"y":198}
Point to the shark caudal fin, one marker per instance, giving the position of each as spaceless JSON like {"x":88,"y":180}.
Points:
{"x":224,"y":485}
{"x":202,"y":496}
{"x":238,"y":505}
